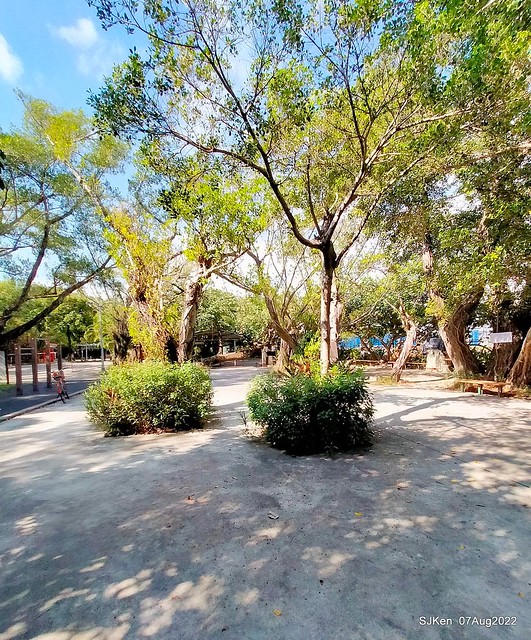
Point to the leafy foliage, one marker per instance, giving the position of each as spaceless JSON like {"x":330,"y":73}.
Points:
{"x":313,"y":414}
{"x":148,"y":397}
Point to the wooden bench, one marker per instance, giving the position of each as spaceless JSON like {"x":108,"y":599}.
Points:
{"x":408,"y":365}
{"x":481,"y":383}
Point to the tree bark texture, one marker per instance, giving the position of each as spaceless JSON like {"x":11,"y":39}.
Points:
{"x":284,"y":354}
{"x":336,"y":308}
{"x":410,"y":328}
{"x":452,"y":329}
{"x":192,"y":297}
{"x":520,"y":375}
{"x":502,"y":359}
{"x":279,"y":327}
{"x":452,"y":333}
{"x":327,"y":277}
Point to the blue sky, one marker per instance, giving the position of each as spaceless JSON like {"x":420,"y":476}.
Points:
{"x":55,"y":50}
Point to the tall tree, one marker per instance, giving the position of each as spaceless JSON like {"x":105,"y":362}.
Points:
{"x":334,"y":106}
{"x":49,"y":229}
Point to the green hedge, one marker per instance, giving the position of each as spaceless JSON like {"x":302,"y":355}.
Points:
{"x":312,"y":414}
{"x":148,"y":397}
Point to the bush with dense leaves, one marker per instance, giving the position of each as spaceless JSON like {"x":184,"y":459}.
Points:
{"x":312,"y":414}
{"x":149,"y":397}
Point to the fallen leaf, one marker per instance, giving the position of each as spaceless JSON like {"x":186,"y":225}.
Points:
{"x":358,"y":513}
{"x":461,"y":547}
{"x":277,"y":612}
{"x":521,"y":595}
{"x":272,"y":515}
{"x":454,"y":481}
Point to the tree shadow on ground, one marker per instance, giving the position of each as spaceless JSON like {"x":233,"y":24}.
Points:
{"x":175,"y":536}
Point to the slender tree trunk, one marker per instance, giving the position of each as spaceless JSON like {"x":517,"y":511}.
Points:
{"x":520,"y":374}
{"x":327,"y":278}
{"x":336,"y":309}
{"x":192,"y":298}
{"x":411,"y":333}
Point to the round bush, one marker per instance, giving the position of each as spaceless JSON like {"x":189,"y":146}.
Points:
{"x":149,"y":397}
{"x":312,"y":414}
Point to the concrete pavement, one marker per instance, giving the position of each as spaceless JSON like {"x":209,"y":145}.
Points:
{"x":78,"y":376}
{"x":171,"y":537}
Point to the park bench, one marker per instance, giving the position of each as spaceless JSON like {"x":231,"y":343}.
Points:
{"x":408,"y":365}
{"x":480,"y":384}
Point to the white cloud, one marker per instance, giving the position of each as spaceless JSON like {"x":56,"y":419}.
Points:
{"x":100,"y":61}
{"x":81,"y":35}
{"x":10,"y":66}
{"x":97,"y":56}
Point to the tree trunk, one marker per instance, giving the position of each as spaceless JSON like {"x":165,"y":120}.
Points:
{"x":458,"y":351}
{"x":282,"y":331}
{"x":121,"y":337}
{"x":411,"y":333}
{"x":453,"y":329}
{"x":284,"y":354}
{"x":192,"y":298}
{"x":520,"y":374}
{"x":327,"y":277}
{"x":336,"y":309}
{"x":502,"y":359}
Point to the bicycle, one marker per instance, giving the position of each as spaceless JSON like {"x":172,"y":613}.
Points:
{"x":60,"y":385}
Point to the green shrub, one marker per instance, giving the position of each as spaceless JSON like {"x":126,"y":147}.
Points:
{"x":311,"y":414}
{"x":148,"y":397}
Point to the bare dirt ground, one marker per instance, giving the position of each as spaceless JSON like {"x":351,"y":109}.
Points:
{"x":172,"y":537}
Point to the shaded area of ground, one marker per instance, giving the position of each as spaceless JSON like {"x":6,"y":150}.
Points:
{"x":169,"y":536}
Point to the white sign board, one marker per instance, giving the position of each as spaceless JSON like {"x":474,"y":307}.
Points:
{"x":501,"y":338}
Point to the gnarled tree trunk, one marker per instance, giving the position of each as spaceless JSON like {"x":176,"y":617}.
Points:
{"x":192,"y":297}
{"x":410,"y":328}
{"x":452,"y":329}
{"x":284,"y":354}
{"x":502,"y":359}
{"x":520,"y":374}
{"x":453,"y":334}
{"x":121,"y":338}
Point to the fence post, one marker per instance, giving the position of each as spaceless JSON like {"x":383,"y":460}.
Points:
{"x":18,"y":369}
{"x":34,"y":365}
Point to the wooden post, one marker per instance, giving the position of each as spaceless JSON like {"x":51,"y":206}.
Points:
{"x":34,"y":365}
{"x":18,"y":369}
{"x":48,"y":365}
{"x":59,"y":357}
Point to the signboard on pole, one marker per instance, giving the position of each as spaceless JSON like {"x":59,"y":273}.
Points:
{"x":501,"y":338}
